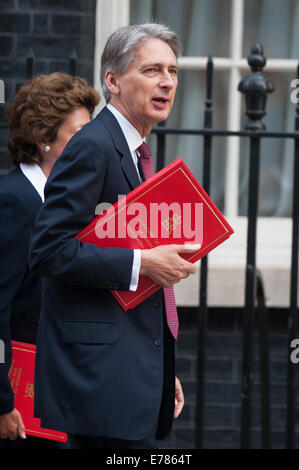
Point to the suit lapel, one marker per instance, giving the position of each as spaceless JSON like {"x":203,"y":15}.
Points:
{"x":121,"y":146}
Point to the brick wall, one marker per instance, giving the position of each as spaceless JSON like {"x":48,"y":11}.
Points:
{"x":53,"y":29}
{"x":223,"y":381}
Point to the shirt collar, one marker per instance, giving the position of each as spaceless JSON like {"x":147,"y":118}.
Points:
{"x":133,"y":138}
{"x":36,"y":176}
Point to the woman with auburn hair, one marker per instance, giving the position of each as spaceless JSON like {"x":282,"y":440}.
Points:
{"x":45,"y":113}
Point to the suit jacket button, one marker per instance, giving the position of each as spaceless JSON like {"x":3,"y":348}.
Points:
{"x":156,"y":303}
{"x":157,"y":342}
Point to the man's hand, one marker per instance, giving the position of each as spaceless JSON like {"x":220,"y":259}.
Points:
{"x":12,"y":426}
{"x":164,"y":265}
{"x":179,"y":398}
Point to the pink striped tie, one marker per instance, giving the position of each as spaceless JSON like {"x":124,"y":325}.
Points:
{"x":147,"y":166}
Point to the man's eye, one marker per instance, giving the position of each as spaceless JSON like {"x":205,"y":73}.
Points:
{"x":174,"y":72}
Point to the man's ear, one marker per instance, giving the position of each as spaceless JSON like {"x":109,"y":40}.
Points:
{"x":112,"y":82}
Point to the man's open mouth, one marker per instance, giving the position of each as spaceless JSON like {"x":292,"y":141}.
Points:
{"x":160,"y":101}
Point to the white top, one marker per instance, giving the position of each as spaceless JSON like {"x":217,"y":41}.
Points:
{"x":36,"y":176}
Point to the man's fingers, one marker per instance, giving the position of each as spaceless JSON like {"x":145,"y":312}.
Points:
{"x":13,"y":435}
{"x":164,"y":265}
{"x":21,"y":427}
{"x":8,"y":426}
{"x":179,"y":398}
{"x":191,"y":268}
{"x":12,"y":430}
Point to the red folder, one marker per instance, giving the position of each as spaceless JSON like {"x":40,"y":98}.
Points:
{"x":128,"y":223}
{"x":21,"y":375}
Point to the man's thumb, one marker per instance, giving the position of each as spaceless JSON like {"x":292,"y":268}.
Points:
{"x":21,"y":427}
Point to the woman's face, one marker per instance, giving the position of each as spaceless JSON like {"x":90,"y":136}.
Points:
{"x":72,"y":124}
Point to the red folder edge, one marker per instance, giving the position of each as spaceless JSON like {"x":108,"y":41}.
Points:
{"x":21,"y":375}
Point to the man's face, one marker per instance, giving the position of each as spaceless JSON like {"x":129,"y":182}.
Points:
{"x":145,"y":93}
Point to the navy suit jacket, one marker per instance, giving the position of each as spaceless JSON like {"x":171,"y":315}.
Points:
{"x":19,"y":288}
{"x":99,"y":370}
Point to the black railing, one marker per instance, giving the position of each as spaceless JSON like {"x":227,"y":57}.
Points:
{"x":262,"y":317}
{"x":255,"y":88}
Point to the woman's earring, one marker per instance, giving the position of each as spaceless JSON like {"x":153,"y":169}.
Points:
{"x":47,"y":148}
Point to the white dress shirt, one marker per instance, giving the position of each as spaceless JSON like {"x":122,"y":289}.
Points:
{"x":134,"y":140}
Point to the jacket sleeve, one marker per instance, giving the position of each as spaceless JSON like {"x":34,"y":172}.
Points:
{"x":72,"y":192}
{"x":15,"y":228}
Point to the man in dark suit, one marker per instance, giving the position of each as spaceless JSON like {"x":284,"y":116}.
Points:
{"x":105,"y":376}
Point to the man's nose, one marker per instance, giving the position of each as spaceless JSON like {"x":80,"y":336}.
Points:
{"x":167,"y":80}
